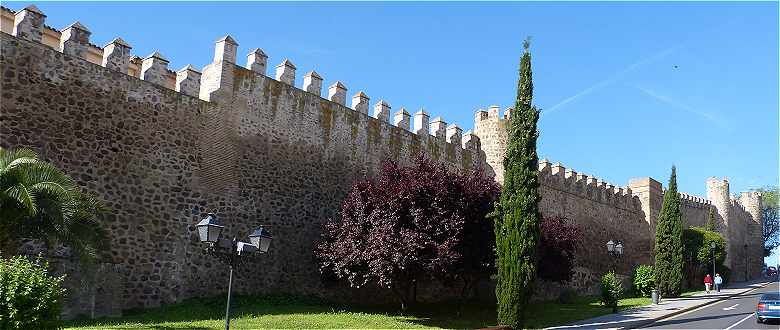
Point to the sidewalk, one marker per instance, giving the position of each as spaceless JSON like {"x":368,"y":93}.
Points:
{"x":641,"y":316}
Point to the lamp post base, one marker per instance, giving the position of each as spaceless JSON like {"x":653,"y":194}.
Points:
{"x":227,"y":308}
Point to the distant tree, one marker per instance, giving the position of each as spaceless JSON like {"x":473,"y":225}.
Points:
{"x":771,"y":226}
{"x":559,"y":240}
{"x":698,"y":255}
{"x":696,"y":246}
{"x":39,"y":201}
{"x":517,"y":223}
{"x":668,"y":242}
{"x":711,"y":224}
{"x":412,"y":223}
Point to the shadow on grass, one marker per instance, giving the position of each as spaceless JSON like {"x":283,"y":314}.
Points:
{"x":198,"y":310}
{"x":205,"y":313}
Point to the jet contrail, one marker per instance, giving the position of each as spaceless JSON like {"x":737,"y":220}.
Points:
{"x":678,"y":105}
{"x":613,"y":78}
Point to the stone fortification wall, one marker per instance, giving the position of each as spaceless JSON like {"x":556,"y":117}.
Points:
{"x":603,"y":212}
{"x":741,"y":221}
{"x":695,"y":210}
{"x":231,"y":140}
{"x":163,"y":147}
{"x":738,"y":219}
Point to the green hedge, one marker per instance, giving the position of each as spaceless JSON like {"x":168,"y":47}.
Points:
{"x":29,"y":297}
{"x":643,"y":281}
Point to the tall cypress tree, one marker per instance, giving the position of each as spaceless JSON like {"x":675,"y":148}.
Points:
{"x":517,"y":223}
{"x":668,"y":242}
{"x":710,"y":225}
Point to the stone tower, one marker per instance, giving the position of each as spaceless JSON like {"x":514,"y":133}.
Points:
{"x":754,"y":231}
{"x":651,"y":195}
{"x":718,"y":193}
{"x":491,"y":129}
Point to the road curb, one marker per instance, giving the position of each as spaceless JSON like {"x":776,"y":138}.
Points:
{"x":687,"y":309}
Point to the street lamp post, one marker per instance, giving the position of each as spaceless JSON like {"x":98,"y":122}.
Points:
{"x":615,"y":250}
{"x":229,"y":250}
{"x":712,"y":250}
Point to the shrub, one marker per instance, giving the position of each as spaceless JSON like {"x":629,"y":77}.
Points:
{"x":567,"y":296}
{"x":29,"y":297}
{"x":643,"y":280}
{"x":611,"y":290}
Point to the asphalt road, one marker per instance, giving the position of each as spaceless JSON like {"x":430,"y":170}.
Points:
{"x":734,"y":313}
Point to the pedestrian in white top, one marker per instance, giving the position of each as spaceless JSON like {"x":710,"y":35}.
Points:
{"x":718,"y":282}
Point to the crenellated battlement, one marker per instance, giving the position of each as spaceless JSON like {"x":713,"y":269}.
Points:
{"x":164,"y":145}
{"x":694,"y":201}
{"x":556,"y":176}
{"x":73,"y":40}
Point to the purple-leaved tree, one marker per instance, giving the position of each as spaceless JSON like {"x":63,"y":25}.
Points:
{"x":410,"y":224}
{"x":559,"y":241}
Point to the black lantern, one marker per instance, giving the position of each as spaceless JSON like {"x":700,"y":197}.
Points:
{"x":244,"y":248}
{"x":230,"y":251}
{"x":209,"y":229}
{"x":261,"y":238}
{"x":619,"y":248}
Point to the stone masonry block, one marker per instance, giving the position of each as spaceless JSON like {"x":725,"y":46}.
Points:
{"x":360,"y":102}
{"x":285,"y":72}
{"x":257,"y":61}
{"x":116,"y":55}
{"x":438,"y":128}
{"x":312,"y":83}
{"x":226,"y":50}
{"x":421,"y":124}
{"x":402,"y":118}
{"x":188,"y":81}
{"x":74,"y":40}
{"x":28,"y":23}
{"x":154,"y":69}
{"x":382,"y":111}
{"x":338,"y":93}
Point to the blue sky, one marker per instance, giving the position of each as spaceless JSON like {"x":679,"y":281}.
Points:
{"x":626,"y":89}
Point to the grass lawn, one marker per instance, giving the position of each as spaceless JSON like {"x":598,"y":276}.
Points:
{"x":289,"y":312}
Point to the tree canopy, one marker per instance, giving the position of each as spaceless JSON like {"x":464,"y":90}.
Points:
{"x":517,"y":219}
{"x":771,"y":225}
{"x":668,"y":242}
{"x":412,"y":223}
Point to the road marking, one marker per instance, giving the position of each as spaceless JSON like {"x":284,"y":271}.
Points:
{"x":730,"y":308}
{"x":708,"y":305}
{"x":740,"y":321}
{"x":694,"y":310}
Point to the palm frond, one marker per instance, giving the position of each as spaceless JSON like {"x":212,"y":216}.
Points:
{"x":21,"y":195}
{"x":38,"y":200}
{"x":9,"y":157}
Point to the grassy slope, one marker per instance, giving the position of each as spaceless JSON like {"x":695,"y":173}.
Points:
{"x":287,"y":312}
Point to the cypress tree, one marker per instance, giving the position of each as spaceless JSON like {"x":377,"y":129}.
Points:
{"x":517,"y":222}
{"x":668,"y":243}
{"x":710,"y":225}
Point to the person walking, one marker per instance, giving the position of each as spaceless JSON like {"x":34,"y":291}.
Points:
{"x":718,"y":282}
{"x":707,"y":283}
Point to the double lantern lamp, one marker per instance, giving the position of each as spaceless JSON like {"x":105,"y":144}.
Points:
{"x":229,"y":250}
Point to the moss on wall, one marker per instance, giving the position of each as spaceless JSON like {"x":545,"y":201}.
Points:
{"x":326,"y":121}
